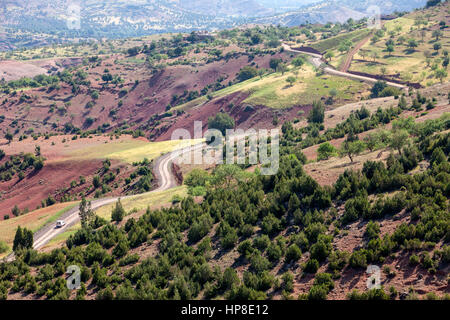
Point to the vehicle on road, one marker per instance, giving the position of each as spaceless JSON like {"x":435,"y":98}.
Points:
{"x":60,"y":223}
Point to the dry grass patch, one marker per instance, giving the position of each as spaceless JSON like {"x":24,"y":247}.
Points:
{"x":327,"y":172}
{"x":130,"y":150}
{"x":32,"y":221}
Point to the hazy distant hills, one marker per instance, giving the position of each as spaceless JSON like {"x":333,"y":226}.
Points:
{"x":25,"y":21}
{"x":224,"y":8}
{"x":340,"y":11}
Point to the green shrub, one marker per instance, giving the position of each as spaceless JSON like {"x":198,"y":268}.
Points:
{"x":325,"y":280}
{"x":118,"y":212}
{"x":105,"y":294}
{"x":293,"y":253}
{"x":222,"y":122}
{"x":373,"y":294}
{"x":259,"y":263}
{"x":246,"y":248}
{"x":246,"y":73}
{"x":130,"y":259}
{"x":318,"y":293}
{"x":261,"y":242}
{"x":320,"y":251}
{"x":274,"y":252}
{"x":317,"y":113}
{"x":311,"y":266}
{"x":3,"y":247}
{"x":372,"y":230}
{"x":288,"y":281}
{"x":338,"y":260}
{"x":358,"y":259}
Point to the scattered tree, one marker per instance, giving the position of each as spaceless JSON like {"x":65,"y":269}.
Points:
{"x":352,"y":149}
{"x":246,"y":73}
{"x":85,"y":212}
{"x":291,"y":80}
{"x":329,"y":55}
{"x":377,"y":88}
{"x":15,"y":211}
{"x":325,"y":151}
{"x":399,"y":139}
{"x":317,"y":113}
{"x":9,"y":137}
{"x":273,"y":63}
{"x":412,"y":44}
{"x":441,"y":74}
{"x":23,"y":239}
{"x":118,"y":212}
{"x":221,"y":121}
{"x":298,"y":61}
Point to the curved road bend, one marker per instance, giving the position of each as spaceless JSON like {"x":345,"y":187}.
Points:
{"x":163,"y":172}
{"x":163,"y":164}
{"x":317,"y":60}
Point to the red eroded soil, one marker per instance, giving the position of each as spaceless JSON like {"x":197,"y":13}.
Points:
{"x":255,"y":117}
{"x":29,"y":192}
{"x":150,"y":96}
{"x":59,"y":170}
{"x":403,"y":278}
{"x":14,"y":70}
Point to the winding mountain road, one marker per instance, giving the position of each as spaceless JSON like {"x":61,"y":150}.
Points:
{"x":317,"y":61}
{"x":162,"y":167}
{"x":166,"y":180}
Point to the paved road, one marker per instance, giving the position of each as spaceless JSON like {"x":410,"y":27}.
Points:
{"x":317,"y":60}
{"x":165,"y":178}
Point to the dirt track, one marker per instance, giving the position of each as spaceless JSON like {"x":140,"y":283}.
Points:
{"x":349,"y":58}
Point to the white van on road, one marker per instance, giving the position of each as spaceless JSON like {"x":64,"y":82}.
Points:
{"x":60,"y":223}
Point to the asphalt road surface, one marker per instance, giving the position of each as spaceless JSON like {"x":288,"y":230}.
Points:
{"x":166,"y":180}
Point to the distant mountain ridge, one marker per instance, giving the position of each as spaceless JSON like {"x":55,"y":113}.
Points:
{"x":41,"y":21}
{"x":340,"y":11}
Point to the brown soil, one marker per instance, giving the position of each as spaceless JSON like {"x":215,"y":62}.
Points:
{"x":257,"y":117}
{"x":349,"y":58}
{"x":149,"y":97}
{"x":14,"y":70}
{"x":55,"y":177}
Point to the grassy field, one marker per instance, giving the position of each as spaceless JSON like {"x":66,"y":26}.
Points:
{"x":338,"y":59}
{"x":142,"y":201}
{"x":273,"y":91}
{"x":410,"y":65}
{"x":128,"y":150}
{"x":32,"y":221}
{"x":307,"y":89}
